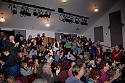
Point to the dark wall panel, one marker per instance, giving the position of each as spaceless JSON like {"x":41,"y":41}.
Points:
{"x":116,"y":28}
{"x":57,"y":36}
{"x":98,"y":33}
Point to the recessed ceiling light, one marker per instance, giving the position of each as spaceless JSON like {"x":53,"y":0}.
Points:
{"x":2,"y":19}
{"x":64,"y":1}
{"x":47,"y":24}
{"x":96,"y":10}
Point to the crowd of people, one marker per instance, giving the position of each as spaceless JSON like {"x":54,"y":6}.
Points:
{"x":42,"y":63}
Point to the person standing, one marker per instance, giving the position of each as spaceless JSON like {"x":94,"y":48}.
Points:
{"x":12,"y":46}
{"x":117,"y":54}
{"x":10,"y":63}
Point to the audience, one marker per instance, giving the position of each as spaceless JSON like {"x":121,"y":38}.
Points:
{"x":42,"y":63}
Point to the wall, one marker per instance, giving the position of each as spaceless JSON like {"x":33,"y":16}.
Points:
{"x":35,"y":32}
{"x":104,"y":21}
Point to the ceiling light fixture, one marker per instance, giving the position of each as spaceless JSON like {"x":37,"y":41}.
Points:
{"x":2,"y":19}
{"x":64,"y":1}
{"x":96,"y":9}
{"x":47,"y":23}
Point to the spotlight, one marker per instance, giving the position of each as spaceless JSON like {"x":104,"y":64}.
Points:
{"x":47,"y":14}
{"x":62,"y":17}
{"x":69,"y":18}
{"x":27,"y":12}
{"x":77,"y":20}
{"x":35,"y":13}
{"x":24,"y":12}
{"x":41,"y":14}
{"x":13,"y":9}
{"x":14,"y":12}
{"x":84,"y":22}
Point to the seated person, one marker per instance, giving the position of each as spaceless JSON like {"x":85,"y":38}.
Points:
{"x":105,"y":75}
{"x":33,"y":52}
{"x":30,"y":59}
{"x":48,"y":74}
{"x":70,"y":70}
{"x":92,"y":63}
{"x":25,"y":70}
{"x":80,"y":59}
{"x":69,"y":56}
{"x":10,"y":79}
{"x":2,"y":76}
{"x":113,"y":67}
{"x":94,"y":75}
{"x":56,"y":57}
{"x":78,"y":72}
{"x":37,"y":68}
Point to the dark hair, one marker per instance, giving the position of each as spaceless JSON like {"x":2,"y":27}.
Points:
{"x":110,"y":62}
{"x":57,"y":51}
{"x":76,"y":69}
{"x":5,"y":50}
{"x":94,"y":73}
{"x":102,"y":64}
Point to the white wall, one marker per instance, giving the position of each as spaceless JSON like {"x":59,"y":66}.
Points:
{"x":35,"y":32}
{"x":104,"y":21}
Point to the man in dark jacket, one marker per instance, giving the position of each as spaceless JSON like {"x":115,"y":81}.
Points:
{"x":10,"y":63}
